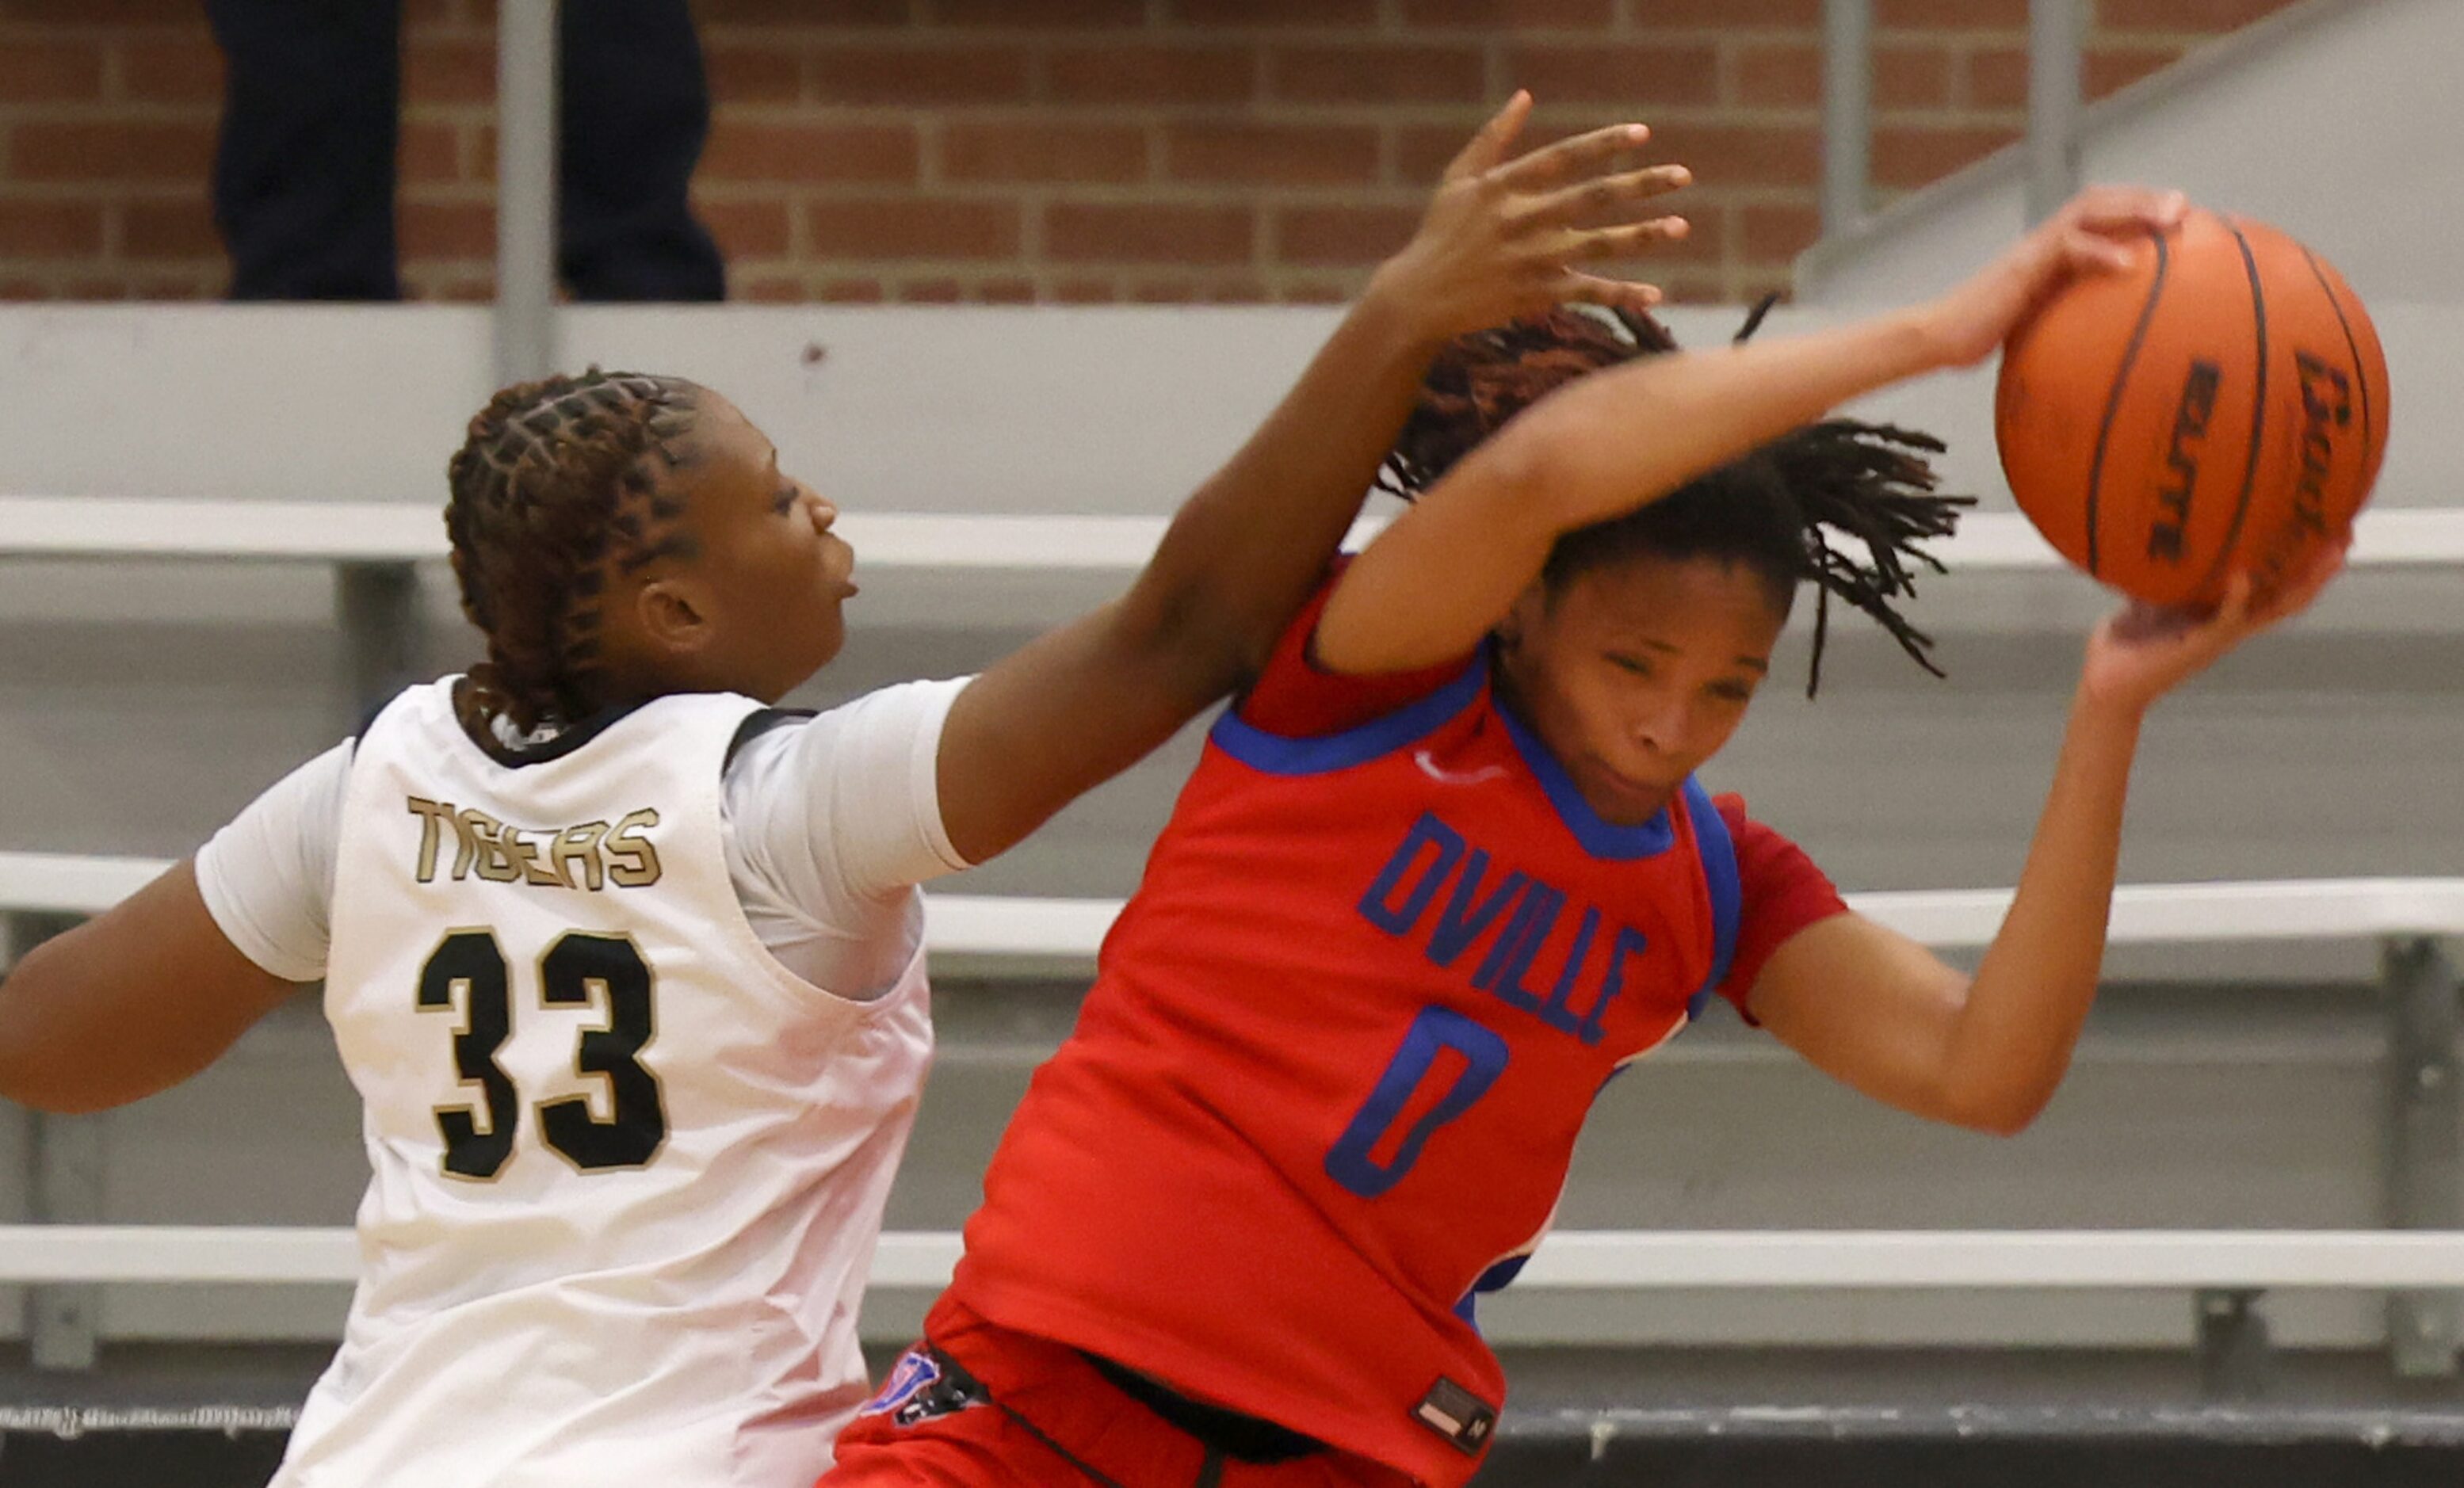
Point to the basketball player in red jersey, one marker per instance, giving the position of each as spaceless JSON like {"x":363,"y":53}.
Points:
{"x":1445,"y":870}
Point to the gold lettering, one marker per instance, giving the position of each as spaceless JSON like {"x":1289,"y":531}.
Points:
{"x":578,"y":847}
{"x":635,"y":856}
{"x":524,"y":855}
{"x":466,"y":843}
{"x":432,"y":817}
{"x":495,"y":864}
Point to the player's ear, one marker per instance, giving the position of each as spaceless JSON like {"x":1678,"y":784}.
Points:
{"x":1523,"y":619}
{"x":671,"y":617}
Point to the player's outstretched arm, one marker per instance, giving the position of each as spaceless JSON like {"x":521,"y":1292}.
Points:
{"x":1885,"y":1016}
{"x":1437,"y":579}
{"x":1501,"y":237}
{"x":128,"y":1003}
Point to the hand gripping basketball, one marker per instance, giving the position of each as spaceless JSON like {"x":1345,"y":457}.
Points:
{"x":2085,"y":237}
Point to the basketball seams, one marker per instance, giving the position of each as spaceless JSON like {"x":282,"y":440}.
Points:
{"x":2258,"y":404}
{"x":2353,"y":348}
{"x":2113,"y":399}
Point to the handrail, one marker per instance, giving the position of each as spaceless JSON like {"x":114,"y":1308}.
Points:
{"x":379,"y":532}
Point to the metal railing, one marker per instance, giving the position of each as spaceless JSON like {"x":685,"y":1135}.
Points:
{"x":2056,"y":31}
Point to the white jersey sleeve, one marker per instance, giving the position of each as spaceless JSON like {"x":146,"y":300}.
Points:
{"x":832,"y":821}
{"x":268,"y":877}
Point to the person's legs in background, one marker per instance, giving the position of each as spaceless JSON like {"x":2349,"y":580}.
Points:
{"x":303,"y":177}
{"x":636,"y":109}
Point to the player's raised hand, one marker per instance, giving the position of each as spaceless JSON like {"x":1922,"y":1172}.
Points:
{"x":2142,"y":652}
{"x":2089,"y":235}
{"x":1506,"y":236}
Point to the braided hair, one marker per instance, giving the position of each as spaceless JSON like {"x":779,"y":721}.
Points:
{"x":554,"y":480}
{"x":1767,"y":509}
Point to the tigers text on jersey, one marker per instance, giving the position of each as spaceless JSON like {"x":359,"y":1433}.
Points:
{"x":1329,"y":1078}
{"x":627,"y":1169}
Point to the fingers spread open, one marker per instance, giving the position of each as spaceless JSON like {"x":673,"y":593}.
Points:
{"x":1572,"y":158}
{"x":1604,"y":196}
{"x":1488,"y":145}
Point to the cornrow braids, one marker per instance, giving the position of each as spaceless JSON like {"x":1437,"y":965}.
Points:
{"x":553,"y":482}
{"x":1773,"y":510}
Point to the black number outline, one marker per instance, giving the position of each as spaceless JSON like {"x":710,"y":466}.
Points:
{"x":611,"y":1055}
{"x":471,"y":1155}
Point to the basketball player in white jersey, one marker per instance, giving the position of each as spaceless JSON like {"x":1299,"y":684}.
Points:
{"x":627,"y":966}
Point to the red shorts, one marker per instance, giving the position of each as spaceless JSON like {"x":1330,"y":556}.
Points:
{"x":926,"y":1428}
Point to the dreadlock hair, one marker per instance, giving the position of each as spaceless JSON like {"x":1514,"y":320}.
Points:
{"x":1767,"y":509}
{"x":553,"y":480}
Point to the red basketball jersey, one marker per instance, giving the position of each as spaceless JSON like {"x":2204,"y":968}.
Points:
{"x":1328,"y":1083}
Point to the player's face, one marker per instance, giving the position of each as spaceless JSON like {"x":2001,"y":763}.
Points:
{"x":757,"y":607}
{"x":1635,"y":673}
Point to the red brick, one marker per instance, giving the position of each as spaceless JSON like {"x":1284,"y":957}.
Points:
{"x":1272,"y":154}
{"x":1165,"y":292}
{"x":1275,"y":12}
{"x":1776,"y":234}
{"x":154,"y":13}
{"x":1728,"y":14}
{"x":1085,"y":291}
{"x":915,"y":76}
{"x":168,"y":230}
{"x":715,"y":13}
{"x":50,"y":230}
{"x":21,"y":290}
{"x":1998,"y":79}
{"x":49,"y":72}
{"x":777,"y":289}
{"x":1637,"y":76}
{"x":1952,"y":14}
{"x":1315,"y":291}
{"x":171,"y":72}
{"x":448,"y":72}
{"x":1043,"y":152}
{"x":1497,"y":15}
{"x":180,"y":152}
{"x":1342,"y":235}
{"x":1006,"y":292}
{"x":1158,"y":74}
{"x":1151,"y":232}
{"x":912,"y":228}
{"x":748,"y":230}
{"x":1040,"y":14}
{"x":2106,"y":70}
{"x":1907,"y":155}
{"x":1911,"y":77}
{"x":1739,"y":155}
{"x":2184,"y":16}
{"x":1779,"y":76}
{"x":1376,"y":73}
{"x":448,"y":230}
{"x":1236,"y":291}
{"x":932,"y":291}
{"x":852,"y":292}
{"x":752,"y":75}
{"x":800,"y":152}
{"x":430,"y":152}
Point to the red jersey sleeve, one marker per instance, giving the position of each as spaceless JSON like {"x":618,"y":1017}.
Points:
{"x":1781,"y":891}
{"x":1299,"y":699}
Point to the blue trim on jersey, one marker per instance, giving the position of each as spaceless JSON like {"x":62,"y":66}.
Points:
{"x":1496,"y":1278}
{"x":1599,"y":836}
{"x":1719,"y":855}
{"x":1276,"y":754}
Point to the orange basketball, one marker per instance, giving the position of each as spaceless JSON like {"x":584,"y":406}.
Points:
{"x":2221,"y":406}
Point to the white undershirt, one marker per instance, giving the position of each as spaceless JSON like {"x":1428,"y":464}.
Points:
{"x":830,"y":823}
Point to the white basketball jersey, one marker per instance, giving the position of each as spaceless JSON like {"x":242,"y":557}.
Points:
{"x":628,"y":1170}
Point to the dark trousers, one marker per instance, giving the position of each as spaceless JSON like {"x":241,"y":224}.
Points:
{"x":304,"y":173}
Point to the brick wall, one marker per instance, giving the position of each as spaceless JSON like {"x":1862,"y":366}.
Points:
{"x":1059,"y":150}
